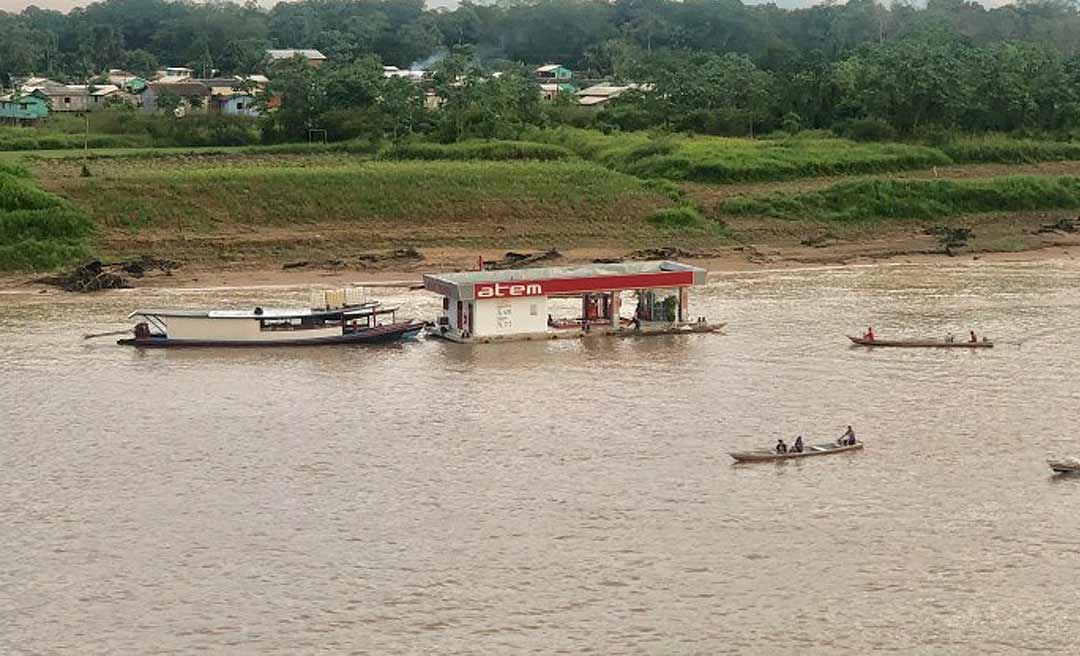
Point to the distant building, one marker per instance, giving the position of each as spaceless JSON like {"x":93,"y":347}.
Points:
{"x":194,"y":96}
{"x":553,"y":72}
{"x":66,"y":98}
{"x":601,"y":94}
{"x":394,"y":71}
{"x":126,"y":81}
{"x":232,"y":96}
{"x":554,"y":80}
{"x":313,"y":57}
{"x":24,"y":109}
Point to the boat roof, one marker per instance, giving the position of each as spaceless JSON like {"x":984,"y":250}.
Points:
{"x":267,"y":313}
{"x":650,"y":274}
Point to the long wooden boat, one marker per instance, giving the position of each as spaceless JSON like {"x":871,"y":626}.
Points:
{"x":345,"y":323}
{"x":919,"y":343}
{"x":1069,"y":466}
{"x":765,"y":455}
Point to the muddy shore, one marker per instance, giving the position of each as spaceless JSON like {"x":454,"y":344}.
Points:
{"x":724,"y":260}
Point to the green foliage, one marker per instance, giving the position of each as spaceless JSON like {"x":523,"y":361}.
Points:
{"x":486,"y":150}
{"x":14,"y":170}
{"x":861,"y":200}
{"x":38,"y":230}
{"x":677,"y":218}
{"x":1007,"y":150}
{"x":356,"y":193}
{"x":867,"y":129}
{"x":721,"y":160}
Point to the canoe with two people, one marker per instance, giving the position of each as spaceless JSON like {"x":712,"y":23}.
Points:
{"x":782,"y":447}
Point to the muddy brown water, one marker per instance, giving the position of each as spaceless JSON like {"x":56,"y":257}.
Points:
{"x":564,"y":497}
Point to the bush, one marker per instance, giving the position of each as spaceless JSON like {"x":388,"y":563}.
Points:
{"x":677,"y":218}
{"x":38,"y":230}
{"x":21,"y":194}
{"x":1004,"y":149}
{"x":867,"y":129}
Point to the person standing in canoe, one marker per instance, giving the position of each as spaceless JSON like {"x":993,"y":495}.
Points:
{"x":848,"y":438}
{"x":869,"y":336}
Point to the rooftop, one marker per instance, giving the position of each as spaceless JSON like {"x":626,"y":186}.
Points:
{"x":289,"y":53}
{"x":570,"y":280}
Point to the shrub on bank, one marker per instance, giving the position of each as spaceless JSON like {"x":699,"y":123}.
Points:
{"x":677,"y":218}
{"x":1004,"y":149}
{"x":38,"y":230}
{"x":860,"y":200}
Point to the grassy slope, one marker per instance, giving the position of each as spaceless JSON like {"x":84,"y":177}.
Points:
{"x":727,"y":160}
{"x":328,"y":211}
{"x":862,"y":200}
{"x":327,"y":201}
{"x":37,"y":229}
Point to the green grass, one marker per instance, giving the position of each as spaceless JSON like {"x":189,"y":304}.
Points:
{"x":861,"y":200}
{"x":349,"y":147}
{"x":476,"y":150}
{"x":677,"y":218}
{"x":728,"y":160}
{"x":1003,"y":149}
{"x":38,"y":230}
{"x":24,"y":139}
{"x":429,"y":192}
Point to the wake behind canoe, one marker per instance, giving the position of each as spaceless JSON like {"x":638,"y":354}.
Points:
{"x":810,"y":451}
{"x":918,"y":343}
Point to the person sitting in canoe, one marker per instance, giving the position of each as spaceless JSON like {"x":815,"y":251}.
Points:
{"x":848,"y":438}
{"x":869,"y":336}
{"x":973,"y":339}
{"x":797,"y":447}
{"x":780,"y":446}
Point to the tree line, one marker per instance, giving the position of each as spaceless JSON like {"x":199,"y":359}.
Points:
{"x":714,"y":66}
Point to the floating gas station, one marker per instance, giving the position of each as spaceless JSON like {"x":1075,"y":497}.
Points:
{"x":484,"y":306}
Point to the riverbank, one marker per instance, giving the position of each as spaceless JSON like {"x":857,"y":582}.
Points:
{"x":720,"y":261}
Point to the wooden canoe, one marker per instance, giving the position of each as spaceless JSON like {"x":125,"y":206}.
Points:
{"x":1064,"y":466}
{"x":919,"y":343}
{"x":809,"y":451}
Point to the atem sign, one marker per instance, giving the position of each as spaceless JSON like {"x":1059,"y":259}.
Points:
{"x":508,"y":289}
{"x":584,"y":285}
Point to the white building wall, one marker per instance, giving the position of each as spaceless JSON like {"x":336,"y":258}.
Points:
{"x":506,"y":316}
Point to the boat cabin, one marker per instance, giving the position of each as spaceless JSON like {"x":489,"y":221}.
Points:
{"x":522,"y":303}
{"x":336,"y":316}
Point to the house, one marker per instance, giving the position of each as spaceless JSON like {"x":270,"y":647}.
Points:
{"x":194,"y":96}
{"x":28,"y":84}
{"x":23,"y":109}
{"x":126,"y":81}
{"x":313,"y":57}
{"x":174,"y":74}
{"x":601,"y":94}
{"x":66,"y":98}
{"x":553,"y":72}
{"x":231,"y":96}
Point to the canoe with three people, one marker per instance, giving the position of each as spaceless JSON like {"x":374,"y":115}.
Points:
{"x":846,"y":442}
{"x":870,"y":339}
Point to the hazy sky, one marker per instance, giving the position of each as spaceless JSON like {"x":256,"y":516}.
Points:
{"x":64,"y":5}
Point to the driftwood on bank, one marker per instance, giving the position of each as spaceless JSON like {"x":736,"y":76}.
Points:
{"x":363,"y":260}
{"x":514,"y":260}
{"x":97,"y":275}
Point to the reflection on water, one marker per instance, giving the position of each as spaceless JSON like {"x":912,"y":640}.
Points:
{"x":569,"y":495}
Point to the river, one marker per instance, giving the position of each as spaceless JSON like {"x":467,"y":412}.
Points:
{"x":563,"y":497}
